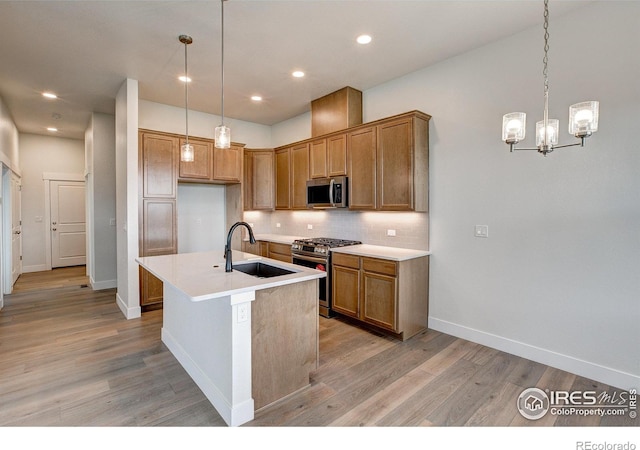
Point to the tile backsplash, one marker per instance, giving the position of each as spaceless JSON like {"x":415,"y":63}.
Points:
{"x":411,"y":229}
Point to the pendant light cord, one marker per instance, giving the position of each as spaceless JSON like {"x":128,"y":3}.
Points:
{"x":186,"y":94}
{"x":222,"y":57}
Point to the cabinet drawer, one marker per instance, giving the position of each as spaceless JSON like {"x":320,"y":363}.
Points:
{"x":340,"y":259}
{"x":382,"y":266}
{"x":283,"y":249}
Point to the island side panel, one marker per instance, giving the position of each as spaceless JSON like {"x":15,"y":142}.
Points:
{"x":207,"y":339}
{"x":284,"y":328}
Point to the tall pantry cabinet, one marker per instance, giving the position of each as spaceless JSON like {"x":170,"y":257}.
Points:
{"x":158,"y":170}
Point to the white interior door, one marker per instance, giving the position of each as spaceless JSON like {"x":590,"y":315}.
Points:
{"x":68,"y":228}
{"x":16,"y":229}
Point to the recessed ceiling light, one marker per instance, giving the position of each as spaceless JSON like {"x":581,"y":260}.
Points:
{"x":184,"y":79}
{"x":363,"y":39}
{"x":256,"y":98}
{"x":49,"y":95}
{"x":52,"y":129}
{"x":298,"y":74}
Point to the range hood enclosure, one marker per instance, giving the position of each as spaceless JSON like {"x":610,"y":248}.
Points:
{"x":336,"y":111}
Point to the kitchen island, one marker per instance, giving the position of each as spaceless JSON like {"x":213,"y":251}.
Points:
{"x":245,"y":341}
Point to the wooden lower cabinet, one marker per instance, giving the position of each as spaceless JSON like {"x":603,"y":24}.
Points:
{"x":390,"y":295}
{"x":346,"y":290}
{"x":150,"y":289}
{"x":260,"y":248}
{"x":280,"y":252}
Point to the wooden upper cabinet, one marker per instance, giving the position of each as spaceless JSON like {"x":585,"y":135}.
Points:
{"x":200,"y":167}
{"x":299,"y":175}
{"x":158,"y":165}
{"x":337,"y":155}
{"x":227,"y":164}
{"x":362,"y":168}
{"x":258,"y":182}
{"x":328,"y":157}
{"x":403,"y":164}
{"x":318,"y":159}
{"x":282,"y":176}
{"x":395,"y":165}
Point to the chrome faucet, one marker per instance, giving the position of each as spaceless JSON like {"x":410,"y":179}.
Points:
{"x":227,"y":249}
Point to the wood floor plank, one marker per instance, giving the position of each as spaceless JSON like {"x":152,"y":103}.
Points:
{"x":68,"y":357}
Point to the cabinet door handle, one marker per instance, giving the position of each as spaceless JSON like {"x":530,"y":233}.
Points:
{"x":54,"y":229}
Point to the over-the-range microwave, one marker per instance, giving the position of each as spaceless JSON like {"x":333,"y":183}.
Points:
{"x":327,"y":193}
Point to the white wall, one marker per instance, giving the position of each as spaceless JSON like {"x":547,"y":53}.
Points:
{"x":39,"y":155}
{"x":101,"y":204}
{"x":128,"y":296}
{"x":557,"y":279}
{"x":201,"y":218}
{"x":9,"y":152}
{"x":9,"y":159}
{"x":171,"y":119}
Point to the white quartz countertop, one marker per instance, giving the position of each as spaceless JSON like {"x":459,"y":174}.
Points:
{"x":279,"y":238}
{"x":201,"y":275}
{"x":379,"y":251}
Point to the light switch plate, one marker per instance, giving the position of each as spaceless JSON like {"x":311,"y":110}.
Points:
{"x":482,"y":231}
{"x":309,"y":227}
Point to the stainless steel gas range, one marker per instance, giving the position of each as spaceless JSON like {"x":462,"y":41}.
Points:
{"x":314,"y":253}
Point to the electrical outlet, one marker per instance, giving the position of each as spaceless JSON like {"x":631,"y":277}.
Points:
{"x":391,"y":232}
{"x":482,"y":231}
{"x":243,"y":312}
{"x":112,"y":222}
{"x":278,"y":225}
{"x":251,"y":224}
{"x":309,"y":227}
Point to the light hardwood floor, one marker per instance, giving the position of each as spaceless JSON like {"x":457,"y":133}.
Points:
{"x":52,"y":279}
{"x":68,"y":357}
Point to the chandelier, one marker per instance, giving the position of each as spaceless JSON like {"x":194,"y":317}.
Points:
{"x":583,"y":117}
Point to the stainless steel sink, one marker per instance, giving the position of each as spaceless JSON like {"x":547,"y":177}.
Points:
{"x":261,"y":270}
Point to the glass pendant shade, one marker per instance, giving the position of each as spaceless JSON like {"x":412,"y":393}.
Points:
{"x":550,"y":137}
{"x":583,"y":118}
{"x":186,"y":153}
{"x":223,"y":137}
{"x":514,"y":127}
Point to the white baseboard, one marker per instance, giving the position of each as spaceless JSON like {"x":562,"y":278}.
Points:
{"x":35,"y":268}
{"x":232,"y":415}
{"x":607,"y":375}
{"x":99,"y":285}
{"x":129,"y":313}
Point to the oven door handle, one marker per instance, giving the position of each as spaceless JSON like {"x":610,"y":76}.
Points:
{"x":310,"y":258}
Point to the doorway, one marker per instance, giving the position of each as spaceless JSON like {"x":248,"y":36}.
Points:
{"x":65,"y":210}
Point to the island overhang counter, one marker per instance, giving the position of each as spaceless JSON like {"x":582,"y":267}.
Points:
{"x":245,"y":341}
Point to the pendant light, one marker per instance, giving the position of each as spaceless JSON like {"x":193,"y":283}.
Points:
{"x":222,"y":133}
{"x":583,"y":117}
{"x":186,"y":150}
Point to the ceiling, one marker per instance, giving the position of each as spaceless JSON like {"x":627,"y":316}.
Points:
{"x":84,"y":50}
